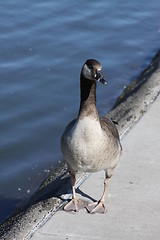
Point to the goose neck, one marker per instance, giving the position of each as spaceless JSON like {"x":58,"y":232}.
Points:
{"x":88,"y":98}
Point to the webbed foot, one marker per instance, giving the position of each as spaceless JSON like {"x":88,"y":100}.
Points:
{"x":97,"y":207}
{"x":74,"y":205}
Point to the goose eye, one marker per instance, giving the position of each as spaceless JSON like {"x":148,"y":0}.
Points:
{"x":90,"y":67}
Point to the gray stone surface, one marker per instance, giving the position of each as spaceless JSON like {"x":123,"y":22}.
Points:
{"x":133,"y":197}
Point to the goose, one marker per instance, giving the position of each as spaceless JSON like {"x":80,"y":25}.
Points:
{"x":90,"y":143}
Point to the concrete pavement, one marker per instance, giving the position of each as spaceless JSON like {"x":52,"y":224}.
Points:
{"x":133,"y":199}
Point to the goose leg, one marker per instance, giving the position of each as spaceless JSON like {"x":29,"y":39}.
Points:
{"x":73,"y":204}
{"x":99,"y":206}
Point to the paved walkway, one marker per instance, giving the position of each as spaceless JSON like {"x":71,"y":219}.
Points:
{"x":133,"y":199}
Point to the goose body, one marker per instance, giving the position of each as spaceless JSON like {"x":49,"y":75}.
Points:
{"x":88,"y":147}
{"x":90,"y":143}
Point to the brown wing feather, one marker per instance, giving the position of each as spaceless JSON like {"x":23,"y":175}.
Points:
{"x":108,"y":124}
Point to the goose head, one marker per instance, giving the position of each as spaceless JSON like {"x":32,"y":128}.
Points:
{"x":92,"y":70}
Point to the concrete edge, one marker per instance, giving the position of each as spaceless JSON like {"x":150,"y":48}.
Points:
{"x":129,"y":108}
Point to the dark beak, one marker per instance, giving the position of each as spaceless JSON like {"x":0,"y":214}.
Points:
{"x":100,"y":78}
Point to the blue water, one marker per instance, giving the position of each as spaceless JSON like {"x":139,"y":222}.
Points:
{"x":43,"y":45}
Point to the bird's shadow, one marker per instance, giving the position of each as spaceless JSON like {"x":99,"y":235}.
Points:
{"x":83,"y":194}
{"x":46,"y":195}
{"x":57,"y":189}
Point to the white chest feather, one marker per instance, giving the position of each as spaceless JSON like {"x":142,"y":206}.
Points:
{"x":85,"y":145}
{"x":87,"y":133}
